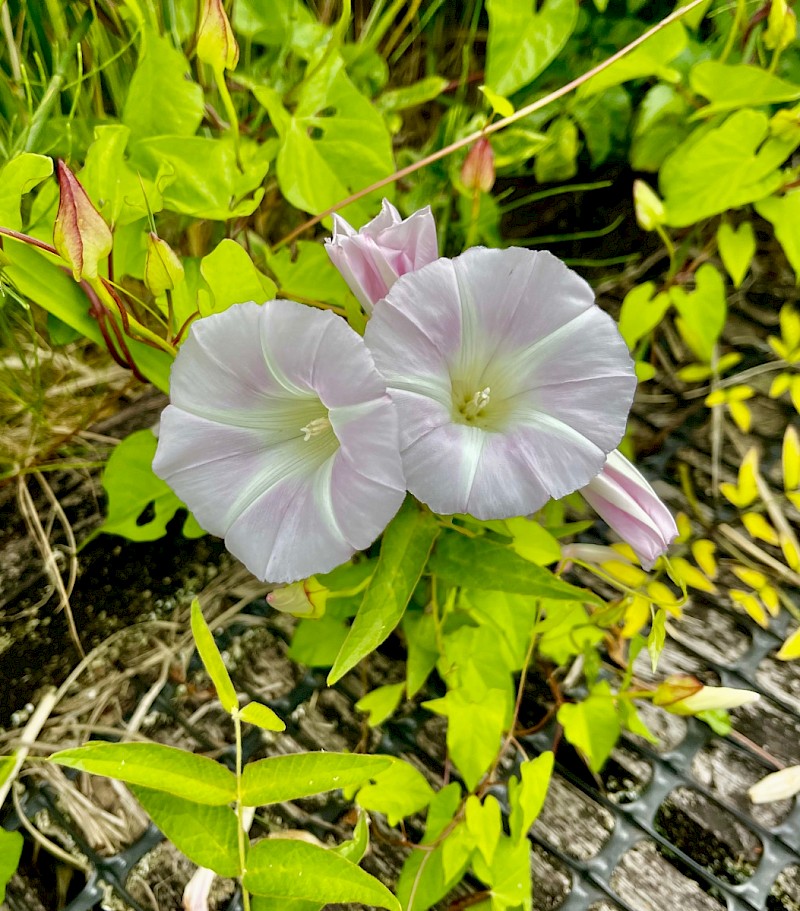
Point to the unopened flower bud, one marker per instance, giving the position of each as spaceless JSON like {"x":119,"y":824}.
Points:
{"x":622,"y":496}
{"x":215,"y":42}
{"x":687,"y":696}
{"x":649,"y":208}
{"x":163,"y":270}
{"x":777,"y":786}
{"x":675,"y":688}
{"x":372,"y":259}
{"x":195,"y":895}
{"x":781,"y":26}
{"x":300,"y":599}
{"x":80,"y":234}
{"x":477,"y":172}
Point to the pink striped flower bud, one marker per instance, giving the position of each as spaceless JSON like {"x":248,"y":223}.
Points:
{"x":624,"y":499}
{"x":215,"y":42}
{"x":372,"y":259}
{"x":477,"y":172}
{"x":80,"y":234}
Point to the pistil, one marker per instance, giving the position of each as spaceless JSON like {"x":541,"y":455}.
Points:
{"x":476,"y":404}
{"x":315,"y":428}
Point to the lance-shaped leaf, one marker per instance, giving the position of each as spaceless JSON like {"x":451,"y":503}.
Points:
{"x":282,"y":778}
{"x":207,"y":835}
{"x":212,"y":660}
{"x":155,"y":766}
{"x":261,"y":716}
{"x":483,"y":564}
{"x":289,"y":869}
{"x":80,"y":235}
{"x":407,"y":542}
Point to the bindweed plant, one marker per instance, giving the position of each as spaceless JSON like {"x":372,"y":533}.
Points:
{"x":399,"y":428}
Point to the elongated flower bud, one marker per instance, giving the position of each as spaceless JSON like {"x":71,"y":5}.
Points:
{"x":163,"y":270}
{"x":622,"y":496}
{"x":777,"y":786}
{"x":477,"y":172}
{"x":649,"y":208}
{"x":80,"y":235}
{"x":300,"y":599}
{"x":215,"y":42}
{"x":687,"y":696}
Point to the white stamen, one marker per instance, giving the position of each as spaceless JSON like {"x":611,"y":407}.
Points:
{"x":315,"y":428}
{"x":477,"y":403}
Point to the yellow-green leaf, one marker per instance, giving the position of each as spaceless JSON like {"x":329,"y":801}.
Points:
{"x":791,"y":647}
{"x":737,"y":246}
{"x":741,"y":415}
{"x":261,"y":716}
{"x":758,"y":527}
{"x":155,"y":766}
{"x":282,"y":778}
{"x":751,"y":606}
{"x":691,"y":576}
{"x":212,"y":660}
{"x":703,"y":552}
{"x":790,"y":458}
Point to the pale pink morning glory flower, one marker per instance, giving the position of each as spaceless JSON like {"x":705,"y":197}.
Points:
{"x":372,"y":259}
{"x":511,"y":385}
{"x":622,"y":496}
{"x":281,"y":438}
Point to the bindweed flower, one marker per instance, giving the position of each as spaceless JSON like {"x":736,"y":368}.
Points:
{"x":624,"y":499}
{"x":713,"y":698}
{"x":511,"y":384}
{"x":300,"y":599}
{"x":198,"y":890}
{"x":650,"y":211}
{"x":372,"y":259}
{"x":280,"y":437}
{"x":80,"y":234}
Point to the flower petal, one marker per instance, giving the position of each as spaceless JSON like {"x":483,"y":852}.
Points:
{"x":511,"y":385}
{"x":282,"y":438}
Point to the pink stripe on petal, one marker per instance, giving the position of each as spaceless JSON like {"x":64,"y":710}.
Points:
{"x":623,"y":498}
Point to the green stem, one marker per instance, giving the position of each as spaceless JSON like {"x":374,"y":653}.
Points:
{"x":230,"y":110}
{"x":28,"y":141}
{"x":170,"y":316}
{"x":472,"y":230}
{"x":138,"y":331}
{"x":670,"y":249}
{"x":737,"y":21}
{"x":237,"y":726}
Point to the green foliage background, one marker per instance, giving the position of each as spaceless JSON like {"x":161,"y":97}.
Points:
{"x":236,"y":168}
